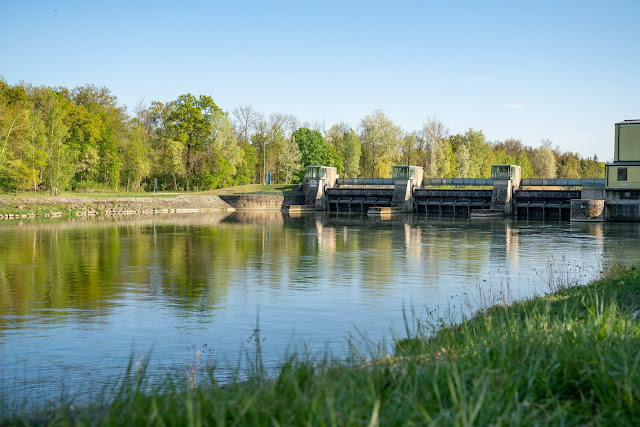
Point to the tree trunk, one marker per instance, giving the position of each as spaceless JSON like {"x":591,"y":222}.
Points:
{"x":7,"y":138}
{"x":58,"y":168}
{"x":188,"y":166}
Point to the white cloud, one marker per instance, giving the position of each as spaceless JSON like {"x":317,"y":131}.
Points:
{"x":515,"y":106}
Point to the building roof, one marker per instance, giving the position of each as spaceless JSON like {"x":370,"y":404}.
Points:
{"x":629,"y":122}
{"x":624,"y":163}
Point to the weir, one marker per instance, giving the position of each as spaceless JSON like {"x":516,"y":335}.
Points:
{"x":616,"y":197}
{"x":504,"y":195}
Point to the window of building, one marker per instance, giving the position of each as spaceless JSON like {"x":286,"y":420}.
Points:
{"x":622,"y":174}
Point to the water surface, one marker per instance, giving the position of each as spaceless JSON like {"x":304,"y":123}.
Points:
{"x":80,"y":297}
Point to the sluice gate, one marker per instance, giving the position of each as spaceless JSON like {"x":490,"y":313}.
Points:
{"x":436,"y":202}
{"x":357,"y":200}
{"x":545,"y":204}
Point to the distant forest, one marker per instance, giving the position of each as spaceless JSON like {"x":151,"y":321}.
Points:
{"x":56,"y":139}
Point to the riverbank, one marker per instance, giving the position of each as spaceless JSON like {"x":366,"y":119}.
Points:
{"x":244,"y":197}
{"x":95,"y":205}
{"x":570,"y":357}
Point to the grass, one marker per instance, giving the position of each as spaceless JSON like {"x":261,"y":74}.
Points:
{"x":570,"y":357}
{"x":240,"y":189}
{"x":276,"y":189}
{"x":38,"y":210}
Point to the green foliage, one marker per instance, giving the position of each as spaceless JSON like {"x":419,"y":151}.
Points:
{"x":246,"y":170}
{"x":54,"y":139}
{"x":190,"y":121}
{"x":543,"y":162}
{"x":314,"y":150}
{"x":380,"y":142}
{"x":350,"y":151}
{"x":592,"y":168}
{"x":526,"y":170}
{"x":311,"y":145}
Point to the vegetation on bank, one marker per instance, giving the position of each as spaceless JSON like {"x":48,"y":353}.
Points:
{"x":74,"y":202}
{"x":59,"y":139}
{"x":570,"y":357}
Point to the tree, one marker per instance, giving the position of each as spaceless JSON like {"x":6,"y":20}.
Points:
{"x":136,"y":159}
{"x":526,"y":170}
{"x":223,"y":153}
{"x":14,"y":111}
{"x":569,"y":166}
{"x":543,"y":162}
{"x":290,"y":159}
{"x":311,"y":146}
{"x":246,"y":170}
{"x":246,"y":120}
{"x":433,"y":132}
{"x":480,"y":153}
{"x":37,"y":140}
{"x":592,"y":168}
{"x":408,"y":149}
{"x":444,"y":160}
{"x":58,"y":154}
{"x":380,"y":140}
{"x":463,"y":162}
{"x":259,"y":141}
{"x":190,"y":123}
{"x":347,"y":147}
{"x":350,"y":151}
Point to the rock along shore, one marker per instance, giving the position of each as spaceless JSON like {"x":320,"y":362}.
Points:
{"x":31,"y":207}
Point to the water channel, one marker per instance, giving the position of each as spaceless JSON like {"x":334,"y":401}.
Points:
{"x":79,"y":298}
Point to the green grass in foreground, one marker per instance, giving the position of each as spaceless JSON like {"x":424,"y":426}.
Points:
{"x":571,"y":357}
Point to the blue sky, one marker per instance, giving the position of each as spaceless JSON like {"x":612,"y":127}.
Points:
{"x":562,"y":70}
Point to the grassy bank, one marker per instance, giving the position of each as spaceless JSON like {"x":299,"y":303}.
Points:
{"x":71,"y":203}
{"x":571,"y":357}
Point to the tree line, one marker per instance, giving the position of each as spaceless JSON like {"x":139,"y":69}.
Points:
{"x":55,"y":139}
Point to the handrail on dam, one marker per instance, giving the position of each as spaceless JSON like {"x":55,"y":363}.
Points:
{"x":527,"y":182}
{"x":561,"y":182}
{"x":479,"y":182}
{"x":457,"y":181}
{"x":365,"y":181}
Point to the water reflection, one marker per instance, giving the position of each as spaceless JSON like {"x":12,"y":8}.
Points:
{"x":170,"y":282}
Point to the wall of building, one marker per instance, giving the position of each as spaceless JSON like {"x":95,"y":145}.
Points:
{"x":627,"y":142}
{"x":633,"y":176}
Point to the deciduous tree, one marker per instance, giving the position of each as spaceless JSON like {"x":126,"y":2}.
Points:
{"x":380,"y":139}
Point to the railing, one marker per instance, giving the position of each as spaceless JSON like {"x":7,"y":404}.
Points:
{"x":480,"y":182}
{"x":457,"y":181}
{"x":364,"y":181}
{"x":502,"y":175}
{"x":561,"y":182}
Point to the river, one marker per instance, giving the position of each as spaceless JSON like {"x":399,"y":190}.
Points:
{"x":81,"y":298}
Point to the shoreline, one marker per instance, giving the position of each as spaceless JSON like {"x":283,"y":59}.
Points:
{"x":50,"y":206}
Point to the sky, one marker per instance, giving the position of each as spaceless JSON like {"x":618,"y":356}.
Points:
{"x":566,"y":71}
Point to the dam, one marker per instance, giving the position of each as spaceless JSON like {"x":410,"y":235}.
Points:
{"x":616,"y":197}
{"x":503,"y":195}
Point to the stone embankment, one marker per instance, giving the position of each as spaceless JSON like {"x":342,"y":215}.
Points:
{"x":31,"y":207}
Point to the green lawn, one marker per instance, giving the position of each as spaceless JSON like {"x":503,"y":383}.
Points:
{"x":240,"y":189}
